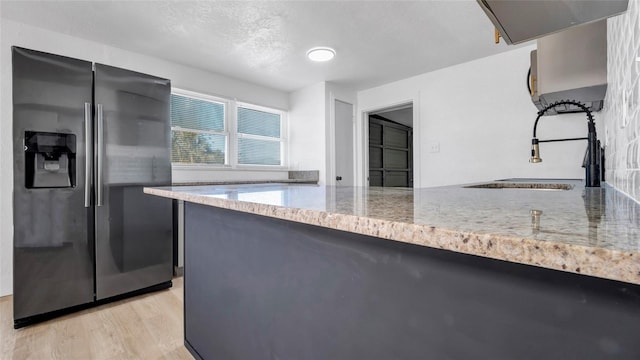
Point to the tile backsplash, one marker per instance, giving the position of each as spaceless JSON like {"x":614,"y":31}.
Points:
{"x":622,"y":104}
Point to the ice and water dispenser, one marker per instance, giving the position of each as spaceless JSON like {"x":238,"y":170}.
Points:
{"x":50,"y":160}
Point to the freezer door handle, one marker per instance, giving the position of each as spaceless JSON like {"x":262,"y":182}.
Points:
{"x":100,"y":145}
{"x":88,"y":136}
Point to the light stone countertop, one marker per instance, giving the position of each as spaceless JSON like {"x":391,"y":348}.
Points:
{"x":591,"y":231}
{"x":236,"y":182}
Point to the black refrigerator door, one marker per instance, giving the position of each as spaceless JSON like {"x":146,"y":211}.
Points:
{"x":52,"y":214}
{"x":132,"y":135}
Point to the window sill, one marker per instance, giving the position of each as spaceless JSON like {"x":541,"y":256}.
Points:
{"x":204,"y":167}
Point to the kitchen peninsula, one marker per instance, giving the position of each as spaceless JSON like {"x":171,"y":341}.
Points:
{"x":311,"y":272}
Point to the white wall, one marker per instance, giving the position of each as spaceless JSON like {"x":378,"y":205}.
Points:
{"x":311,"y":124}
{"x":482,"y":117}
{"x":341,"y":93}
{"x":307,"y":129}
{"x":622,"y":104}
{"x":14,"y":33}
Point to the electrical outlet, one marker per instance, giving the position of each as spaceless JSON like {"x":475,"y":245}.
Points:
{"x":434,"y":147}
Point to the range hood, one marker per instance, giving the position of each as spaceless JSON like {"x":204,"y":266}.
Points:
{"x":522,"y":20}
{"x":571,"y":65}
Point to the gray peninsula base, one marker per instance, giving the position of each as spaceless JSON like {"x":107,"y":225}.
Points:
{"x":263,"y":288}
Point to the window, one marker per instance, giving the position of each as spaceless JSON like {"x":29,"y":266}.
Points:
{"x":197,"y":131}
{"x":214,"y":131}
{"x":259,"y":140}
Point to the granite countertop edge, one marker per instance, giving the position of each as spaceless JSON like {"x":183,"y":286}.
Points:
{"x":249,"y":182}
{"x":591,"y":261}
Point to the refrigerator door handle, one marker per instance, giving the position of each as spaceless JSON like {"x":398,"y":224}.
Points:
{"x":88,"y":135}
{"x":100,"y":145}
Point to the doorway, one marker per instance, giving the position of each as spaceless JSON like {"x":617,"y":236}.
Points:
{"x":391,"y":147}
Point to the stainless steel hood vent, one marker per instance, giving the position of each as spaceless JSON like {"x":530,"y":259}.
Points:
{"x":522,"y":20}
{"x":571,"y":65}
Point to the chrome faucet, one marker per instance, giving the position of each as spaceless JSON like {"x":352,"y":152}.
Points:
{"x":594,"y":157}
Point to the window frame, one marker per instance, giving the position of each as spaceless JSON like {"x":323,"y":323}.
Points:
{"x":282,"y":139}
{"x":232,"y":135}
{"x":225,"y":123}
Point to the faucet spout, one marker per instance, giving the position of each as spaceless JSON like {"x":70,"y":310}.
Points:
{"x":535,"y":151}
{"x":594,"y":158}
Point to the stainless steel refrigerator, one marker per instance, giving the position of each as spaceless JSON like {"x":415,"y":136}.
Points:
{"x":87,"y":138}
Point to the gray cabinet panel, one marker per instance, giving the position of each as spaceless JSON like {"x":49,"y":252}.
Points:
{"x":263,"y":288}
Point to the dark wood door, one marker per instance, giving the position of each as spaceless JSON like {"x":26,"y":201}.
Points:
{"x":390,"y":153}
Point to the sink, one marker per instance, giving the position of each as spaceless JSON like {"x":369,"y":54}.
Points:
{"x":522,"y":186}
{"x":538,"y":180}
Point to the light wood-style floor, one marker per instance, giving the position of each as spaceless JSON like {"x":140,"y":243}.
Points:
{"x":144,"y":327}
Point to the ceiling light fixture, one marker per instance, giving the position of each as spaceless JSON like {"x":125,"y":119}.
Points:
{"x":321,"y":53}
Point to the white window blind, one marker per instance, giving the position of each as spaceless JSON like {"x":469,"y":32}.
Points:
{"x":259,"y":137}
{"x":198,"y":133}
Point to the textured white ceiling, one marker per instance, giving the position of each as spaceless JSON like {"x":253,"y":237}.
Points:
{"x":265,"y":42}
